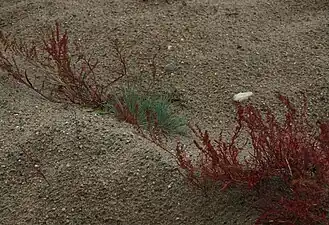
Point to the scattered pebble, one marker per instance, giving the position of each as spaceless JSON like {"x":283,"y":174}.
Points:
{"x":170,"y":68}
{"x":242,"y":96}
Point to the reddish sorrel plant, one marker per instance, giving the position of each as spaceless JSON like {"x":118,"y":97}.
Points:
{"x":217,"y":162}
{"x":67,"y":78}
{"x":125,"y":114}
{"x":289,"y":150}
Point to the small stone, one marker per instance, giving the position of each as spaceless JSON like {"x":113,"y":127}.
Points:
{"x":170,"y":68}
{"x":242,"y":96}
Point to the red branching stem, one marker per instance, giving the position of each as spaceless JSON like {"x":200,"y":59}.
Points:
{"x":289,"y":150}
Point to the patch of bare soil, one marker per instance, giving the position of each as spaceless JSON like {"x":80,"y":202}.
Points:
{"x":99,"y":171}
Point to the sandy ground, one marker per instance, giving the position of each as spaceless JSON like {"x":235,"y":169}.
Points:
{"x":99,"y":170}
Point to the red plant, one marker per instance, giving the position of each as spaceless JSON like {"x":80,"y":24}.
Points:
{"x":218,"y":162}
{"x":67,"y":78}
{"x":288,"y":150}
{"x":123,"y":113}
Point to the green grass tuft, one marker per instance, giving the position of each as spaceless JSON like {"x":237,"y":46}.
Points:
{"x":133,"y":107}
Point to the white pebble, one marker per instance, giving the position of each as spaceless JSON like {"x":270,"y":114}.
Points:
{"x":242,"y":96}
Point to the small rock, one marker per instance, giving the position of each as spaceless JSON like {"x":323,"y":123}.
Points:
{"x":242,"y":96}
{"x":170,"y":67}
